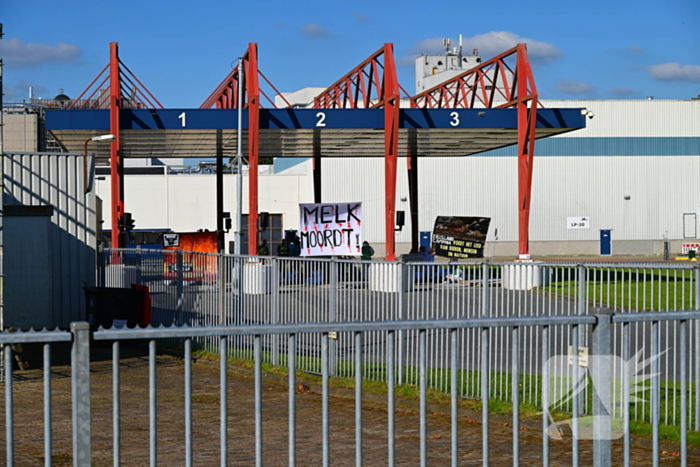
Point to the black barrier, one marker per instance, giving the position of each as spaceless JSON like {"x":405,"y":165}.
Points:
{"x":107,"y":304}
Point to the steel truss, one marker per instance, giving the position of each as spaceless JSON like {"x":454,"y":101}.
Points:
{"x":373,"y":84}
{"x":225,"y":96}
{"x":117,"y":88}
{"x":496,"y":84}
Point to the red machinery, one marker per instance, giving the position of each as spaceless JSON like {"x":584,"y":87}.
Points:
{"x":199,"y":263}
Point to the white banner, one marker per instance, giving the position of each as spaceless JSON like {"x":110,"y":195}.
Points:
{"x":329,"y":229}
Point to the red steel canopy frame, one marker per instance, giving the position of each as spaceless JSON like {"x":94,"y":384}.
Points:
{"x":109,"y":94}
{"x":225,"y":96}
{"x":371,"y":84}
{"x":494,"y":84}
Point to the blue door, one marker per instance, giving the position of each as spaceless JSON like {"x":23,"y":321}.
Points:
{"x":605,"y":243}
{"x":425,"y":240}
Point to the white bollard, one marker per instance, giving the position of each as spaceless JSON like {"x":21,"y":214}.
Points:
{"x":257,"y":279}
{"x":386,"y":277}
{"x":525,"y":276}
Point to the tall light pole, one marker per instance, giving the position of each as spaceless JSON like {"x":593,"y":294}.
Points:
{"x":98,"y":139}
{"x":239,"y":165}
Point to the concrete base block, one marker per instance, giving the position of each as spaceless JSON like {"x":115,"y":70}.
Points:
{"x":257,"y":279}
{"x":386,"y":277}
{"x":525,"y":276}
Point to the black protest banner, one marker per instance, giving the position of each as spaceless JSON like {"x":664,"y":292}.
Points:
{"x":460,"y":237}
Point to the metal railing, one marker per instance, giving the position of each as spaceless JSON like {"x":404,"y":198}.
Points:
{"x":201,"y":290}
{"x":563,"y":379}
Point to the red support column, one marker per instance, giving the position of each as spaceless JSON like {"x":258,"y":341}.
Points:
{"x":391,"y":146}
{"x":115,"y":159}
{"x":527,"y":124}
{"x":253,"y":91}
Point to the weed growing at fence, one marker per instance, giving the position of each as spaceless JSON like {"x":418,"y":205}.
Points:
{"x":439,"y":387}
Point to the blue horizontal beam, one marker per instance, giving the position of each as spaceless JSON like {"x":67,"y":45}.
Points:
{"x":308,"y":119}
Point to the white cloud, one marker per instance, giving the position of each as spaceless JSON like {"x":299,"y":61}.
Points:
{"x":621,"y":92}
{"x":675,"y":72}
{"x":405,"y":61}
{"x":19,"y":54}
{"x":361,"y":18}
{"x":573,"y":86}
{"x":315,"y":31}
{"x":635,"y":49}
{"x":493,"y":43}
{"x":20,"y":91}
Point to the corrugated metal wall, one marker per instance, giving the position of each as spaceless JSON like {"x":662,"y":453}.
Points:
{"x":56,"y":179}
{"x":588,"y":172}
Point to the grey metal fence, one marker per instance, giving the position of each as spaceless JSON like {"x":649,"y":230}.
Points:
{"x":202,"y":289}
{"x":562,"y":383}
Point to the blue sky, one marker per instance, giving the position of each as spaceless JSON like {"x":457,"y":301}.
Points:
{"x":614,"y":49}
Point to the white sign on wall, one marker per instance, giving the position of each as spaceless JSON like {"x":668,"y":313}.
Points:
{"x":578,"y":222}
{"x":331,"y":229}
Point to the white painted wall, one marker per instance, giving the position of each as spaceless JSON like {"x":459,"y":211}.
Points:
{"x":186,"y":203}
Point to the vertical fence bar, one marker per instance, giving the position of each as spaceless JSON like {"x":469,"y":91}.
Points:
{"x":223,"y":398}
{"x":485,"y":290}
{"x":188,"y":403}
{"x":576,"y":388}
{"x":333,"y":315}
{"x":485,"y":376}
{"x":391,"y":395}
{"x":581,"y":342}
{"x":257,"y":350}
{"x":325,"y":401}
{"x":423,"y":363}
{"x":116,"y":404}
{"x":9,"y":408}
{"x":684,"y":392}
{"x":402,"y":306}
{"x":358,"y":398}
{"x":601,"y":349}
{"x":515,"y":394}
{"x":485,"y":393}
{"x":545,"y":396}
{"x":180,"y":289}
{"x":152,"y":414}
{"x":697,"y":349}
{"x":275,"y":309}
{"x":626,"y":391}
{"x":454,"y":389}
{"x":80,"y":391}
{"x":655,"y":392}
{"x":292,"y":366}
{"x":47,"y":406}
{"x":240,"y":288}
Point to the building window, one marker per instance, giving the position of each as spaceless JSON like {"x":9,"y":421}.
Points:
{"x":273,"y":234}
